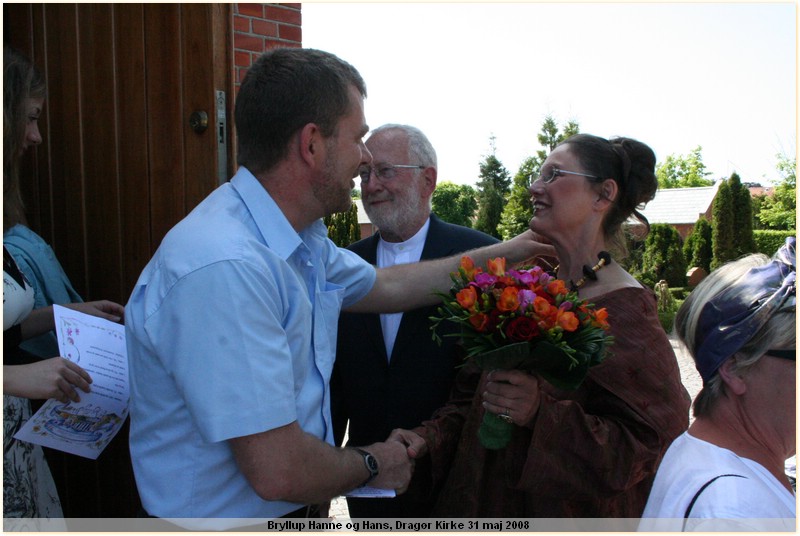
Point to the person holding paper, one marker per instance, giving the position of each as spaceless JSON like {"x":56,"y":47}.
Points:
{"x":29,"y":490}
{"x":28,"y":486}
{"x":24,"y":92}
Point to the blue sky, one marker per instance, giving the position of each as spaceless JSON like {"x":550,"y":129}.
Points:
{"x":674,"y":75}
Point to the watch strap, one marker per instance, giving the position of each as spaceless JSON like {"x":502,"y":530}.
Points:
{"x":371,"y":463}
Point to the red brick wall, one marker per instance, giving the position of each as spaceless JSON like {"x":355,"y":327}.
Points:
{"x":258,"y":27}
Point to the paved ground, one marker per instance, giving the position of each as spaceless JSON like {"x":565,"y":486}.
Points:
{"x":689,"y":376}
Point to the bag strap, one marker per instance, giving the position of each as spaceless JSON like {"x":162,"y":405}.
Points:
{"x":696,"y":495}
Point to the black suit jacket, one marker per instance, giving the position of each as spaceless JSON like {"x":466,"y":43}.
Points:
{"x":376,"y":394}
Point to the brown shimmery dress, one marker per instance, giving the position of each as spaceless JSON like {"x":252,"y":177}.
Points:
{"x":590,"y":453}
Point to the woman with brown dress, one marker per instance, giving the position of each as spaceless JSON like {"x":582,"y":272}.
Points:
{"x":592,"y":452}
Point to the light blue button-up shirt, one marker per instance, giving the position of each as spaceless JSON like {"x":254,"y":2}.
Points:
{"x":231,"y":331}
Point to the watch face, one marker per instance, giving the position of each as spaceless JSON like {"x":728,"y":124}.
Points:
{"x":372,"y":463}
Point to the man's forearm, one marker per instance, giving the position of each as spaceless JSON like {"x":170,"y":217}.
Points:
{"x":288,"y":464}
{"x":404,"y":287}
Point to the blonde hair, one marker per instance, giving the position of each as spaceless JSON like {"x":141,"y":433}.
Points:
{"x":21,"y":81}
{"x":777,"y":333}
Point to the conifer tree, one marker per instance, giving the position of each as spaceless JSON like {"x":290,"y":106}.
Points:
{"x":663,"y":255}
{"x":343,"y":228}
{"x":743,"y":241}
{"x":518,"y":211}
{"x":697,"y":249}
{"x":722,"y":227}
{"x":493,"y":187}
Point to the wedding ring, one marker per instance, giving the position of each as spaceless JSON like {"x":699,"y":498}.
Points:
{"x":506,"y":417}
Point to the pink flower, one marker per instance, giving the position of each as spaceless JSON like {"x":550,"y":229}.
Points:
{"x":484,"y":280}
{"x":525,"y":298}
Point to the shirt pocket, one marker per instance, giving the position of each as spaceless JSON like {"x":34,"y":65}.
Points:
{"x":326,"y":324}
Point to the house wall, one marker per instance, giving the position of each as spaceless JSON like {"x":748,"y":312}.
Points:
{"x":367,"y":229}
{"x":259,"y":27}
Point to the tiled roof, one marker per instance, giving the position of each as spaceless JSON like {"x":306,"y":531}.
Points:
{"x":680,"y":205}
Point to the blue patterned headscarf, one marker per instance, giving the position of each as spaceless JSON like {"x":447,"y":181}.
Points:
{"x":735,"y":315}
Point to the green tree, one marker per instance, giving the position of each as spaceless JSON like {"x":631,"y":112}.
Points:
{"x":663,"y":255}
{"x":570,"y":129}
{"x":679,"y":171}
{"x":455,"y":203}
{"x":343,"y":227}
{"x":697,"y":249}
{"x":518,"y":211}
{"x":722,"y":227}
{"x":743,"y":242}
{"x":779,"y":211}
{"x":493,"y":187}
{"x":758,"y":205}
{"x":549,"y":135}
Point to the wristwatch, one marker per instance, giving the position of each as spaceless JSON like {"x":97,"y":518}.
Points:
{"x":372,"y":465}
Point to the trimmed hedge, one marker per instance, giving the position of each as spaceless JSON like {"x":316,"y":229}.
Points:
{"x":667,"y":319}
{"x":680,"y":293}
{"x":769,"y":241}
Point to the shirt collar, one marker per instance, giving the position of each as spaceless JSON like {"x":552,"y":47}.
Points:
{"x":275,"y":229}
{"x":415,"y":242}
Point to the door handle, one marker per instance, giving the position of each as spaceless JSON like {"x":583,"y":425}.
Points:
{"x":198,"y":121}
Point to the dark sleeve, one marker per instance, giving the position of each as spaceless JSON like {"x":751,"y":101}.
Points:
{"x":443,"y":431}
{"x":610,"y":435}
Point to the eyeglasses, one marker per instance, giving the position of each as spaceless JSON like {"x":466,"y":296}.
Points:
{"x":384,"y":172}
{"x":549,"y":176}
{"x":783,"y":354}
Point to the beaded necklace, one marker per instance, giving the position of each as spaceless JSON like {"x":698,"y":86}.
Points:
{"x":589,"y":272}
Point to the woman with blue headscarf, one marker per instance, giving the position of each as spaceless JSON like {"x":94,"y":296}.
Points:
{"x":727,"y":471}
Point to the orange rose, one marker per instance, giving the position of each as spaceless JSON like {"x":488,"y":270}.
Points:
{"x":508,"y":300}
{"x":468,"y":266}
{"x":567,"y":320}
{"x":541,"y":306}
{"x":467,"y":297}
{"x":497,"y":266}
{"x":556,"y":287}
{"x":601,"y":318}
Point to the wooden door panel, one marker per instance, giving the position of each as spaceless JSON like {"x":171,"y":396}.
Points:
{"x":61,"y":209}
{"x":131,"y":108}
{"x":119,"y":165}
{"x":98,"y":142}
{"x":164,"y":113}
{"x":198,"y":95}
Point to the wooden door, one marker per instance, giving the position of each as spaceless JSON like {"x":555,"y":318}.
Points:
{"x":120,"y":164}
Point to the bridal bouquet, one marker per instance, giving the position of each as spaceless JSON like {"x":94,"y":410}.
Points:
{"x":522,"y":319}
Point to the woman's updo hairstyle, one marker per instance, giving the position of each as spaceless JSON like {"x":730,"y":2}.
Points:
{"x":631,"y":164}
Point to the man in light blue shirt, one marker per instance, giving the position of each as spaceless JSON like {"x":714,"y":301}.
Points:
{"x":232,"y":326}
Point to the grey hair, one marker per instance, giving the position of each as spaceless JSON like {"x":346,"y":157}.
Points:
{"x":419,"y":145}
{"x":777,"y":333}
